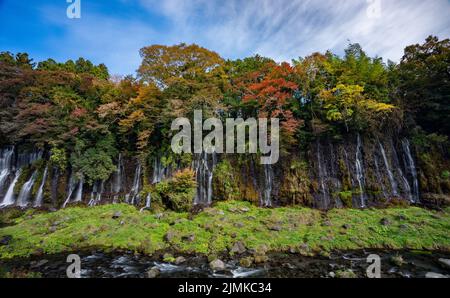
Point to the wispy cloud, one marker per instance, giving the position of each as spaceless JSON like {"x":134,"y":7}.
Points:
{"x":281,"y":29}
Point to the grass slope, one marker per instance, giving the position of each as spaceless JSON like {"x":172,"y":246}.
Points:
{"x":216,"y":230}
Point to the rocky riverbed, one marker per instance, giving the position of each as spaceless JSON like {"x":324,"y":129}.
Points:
{"x":351,"y":264}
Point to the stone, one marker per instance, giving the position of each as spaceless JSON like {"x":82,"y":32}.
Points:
{"x":238,"y":248}
{"x":239,"y":225}
{"x":327,"y":223}
{"x":346,"y":226}
{"x":403,"y":227}
{"x":261,"y":259}
{"x":153,"y":272}
{"x":5,"y":240}
{"x":435,"y":275}
{"x":385,"y":222}
{"x":246,"y":262}
{"x":346,"y":274}
{"x":332,"y":274}
{"x":217,"y":265}
{"x":38,"y":264}
{"x":169,"y":236}
{"x":52,"y":229}
{"x":117,"y":214}
{"x":188,"y":238}
{"x":397,"y":260}
{"x":179,"y":260}
{"x":276,"y":228}
{"x":445,"y":263}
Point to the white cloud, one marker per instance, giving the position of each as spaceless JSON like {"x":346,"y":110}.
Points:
{"x":281,"y":29}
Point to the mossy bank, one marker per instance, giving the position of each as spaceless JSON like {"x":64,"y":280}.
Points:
{"x":229,"y":228}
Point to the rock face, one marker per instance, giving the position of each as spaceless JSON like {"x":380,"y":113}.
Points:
{"x":217,"y":265}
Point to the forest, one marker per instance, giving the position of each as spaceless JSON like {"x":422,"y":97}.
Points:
{"x":86,"y":163}
{"x":85,"y":121}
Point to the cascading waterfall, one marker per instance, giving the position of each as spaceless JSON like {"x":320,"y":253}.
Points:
{"x":70,"y":189}
{"x":40,"y":194}
{"x":148,"y":202}
{"x":322,"y":174}
{"x":159,"y":171}
{"x":9,"y":198}
{"x":405,"y":183}
{"x":360,"y":172}
{"x":79,"y":194}
{"x":268,"y":185}
{"x":25,"y":192}
{"x":204,"y":170}
{"x":411,"y":168}
{"x":96,"y":194}
{"x":379,"y":179}
{"x":5,"y":165}
{"x":133,"y":195}
{"x":118,"y":180}
{"x":389,"y":171}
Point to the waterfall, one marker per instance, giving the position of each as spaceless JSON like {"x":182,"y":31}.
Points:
{"x":24,"y":195}
{"x":411,"y":168}
{"x":8,"y":200}
{"x":380,"y":180}
{"x":359,"y":166}
{"x":5,"y":165}
{"x":133,"y":195}
{"x":70,"y":189}
{"x":148,"y":202}
{"x":268,"y":185}
{"x":204,"y":171}
{"x":79,"y":194}
{"x":96,"y":194}
{"x":405,"y":183}
{"x":388,"y":169}
{"x":40,"y":193}
{"x":322,"y":174}
{"x":118,"y":180}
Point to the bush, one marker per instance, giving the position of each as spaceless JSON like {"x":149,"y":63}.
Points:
{"x":178,"y":193}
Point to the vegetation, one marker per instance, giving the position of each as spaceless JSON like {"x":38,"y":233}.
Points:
{"x":215,"y":231}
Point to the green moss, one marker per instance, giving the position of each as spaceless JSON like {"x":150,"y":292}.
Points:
{"x":346,"y":198}
{"x":214,"y":231}
{"x":224,"y":182}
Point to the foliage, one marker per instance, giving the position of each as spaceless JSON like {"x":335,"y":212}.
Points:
{"x":178,"y":193}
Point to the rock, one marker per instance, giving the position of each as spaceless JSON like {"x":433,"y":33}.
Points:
{"x":153,"y":272}
{"x":122,"y":223}
{"x":39,"y":263}
{"x":445,"y":263}
{"x":179,"y":260}
{"x":159,"y":216}
{"x":246,"y":262}
{"x":403,"y":227}
{"x":435,"y":275}
{"x":245,"y":209}
{"x":188,"y":238}
{"x":233,"y":235}
{"x":385,"y":222}
{"x":332,"y":274}
{"x":217,"y":265}
{"x":346,"y":226}
{"x":117,"y":214}
{"x":276,"y":228}
{"x":261,"y":259}
{"x":327,"y":223}
{"x":401,"y":217}
{"x":169,"y":236}
{"x":5,"y":240}
{"x":167,"y":257}
{"x":239,"y":225}
{"x":346,"y":274}
{"x":238,"y":248}
{"x":397,"y":260}
{"x":52,"y":229}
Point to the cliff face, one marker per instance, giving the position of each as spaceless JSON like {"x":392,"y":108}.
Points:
{"x":359,"y":171}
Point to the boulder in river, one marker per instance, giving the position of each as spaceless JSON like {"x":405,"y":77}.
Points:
{"x":153,"y":272}
{"x":445,"y":263}
{"x":217,"y":265}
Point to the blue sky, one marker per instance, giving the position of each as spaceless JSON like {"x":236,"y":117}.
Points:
{"x":113,"y":31}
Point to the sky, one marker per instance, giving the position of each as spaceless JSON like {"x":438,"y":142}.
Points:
{"x":113,"y":31}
